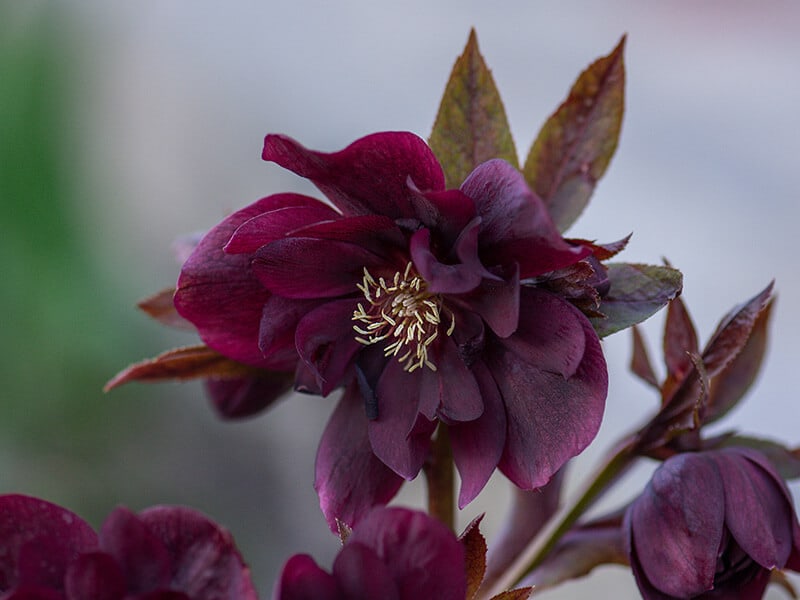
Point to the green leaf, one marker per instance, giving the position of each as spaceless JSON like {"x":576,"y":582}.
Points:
{"x":573,"y":149}
{"x":636,"y":293}
{"x":471,"y":126}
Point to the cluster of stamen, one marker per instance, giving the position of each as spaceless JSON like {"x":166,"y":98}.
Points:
{"x":402,"y":311}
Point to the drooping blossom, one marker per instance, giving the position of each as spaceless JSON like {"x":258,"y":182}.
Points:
{"x":712,"y":525}
{"x":393,"y":554}
{"x":162,"y":553}
{"x":427,"y":305}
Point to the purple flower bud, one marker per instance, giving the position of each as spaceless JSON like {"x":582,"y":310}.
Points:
{"x":711,"y":525}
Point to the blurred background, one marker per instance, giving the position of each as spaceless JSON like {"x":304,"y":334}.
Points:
{"x":126,"y":125}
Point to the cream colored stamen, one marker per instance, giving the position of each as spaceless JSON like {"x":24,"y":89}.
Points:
{"x":403,"y":312}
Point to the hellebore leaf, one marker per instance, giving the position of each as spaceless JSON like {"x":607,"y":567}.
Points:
{"x":518,"y":594}
{"x":575,"y":146}
{"x":187,"y":362}
{"x":471,"y":126}
{"x":160,"y":307}
{"x":680,"y":339}
{"x":636,"y":293}
{"x":640,"y":360}
{"x":475,"y":553}
{"x":733,"y":381}
{"x":733,"y":332}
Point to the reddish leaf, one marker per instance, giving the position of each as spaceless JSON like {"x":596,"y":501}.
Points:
{"x":475,"y":551}
{"x":189,"y":362}
{"x":733,"y":381}
{"x":471,"y":126}
{"x":518,"y":594}
{"x":604,"y":251}
{"x":637,"y":291}
{"x":640,"y":361}
{"x":733,"y":332}
{"x":573,"y":149}
{"x":160,"y":307}
{"x":680,"y":340}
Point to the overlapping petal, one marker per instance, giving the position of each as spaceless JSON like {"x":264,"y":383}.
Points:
{"x":552,"y":376}
{"x":350,"y":479}
{"x":350,"y":178}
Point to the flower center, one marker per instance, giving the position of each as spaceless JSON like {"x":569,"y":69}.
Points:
{"x":403,"y":312}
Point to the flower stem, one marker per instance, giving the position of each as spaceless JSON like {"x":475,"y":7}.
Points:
{"x":440,"y":476}
{"x":563,"y":521}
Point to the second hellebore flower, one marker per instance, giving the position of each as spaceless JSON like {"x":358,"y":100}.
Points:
{"x":712,"y":525}
{"x":393,"y":554}
{"x":429,"y":305}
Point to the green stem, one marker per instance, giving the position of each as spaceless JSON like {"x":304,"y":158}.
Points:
{"x":440,"y":477}
{"x":541,"y":546}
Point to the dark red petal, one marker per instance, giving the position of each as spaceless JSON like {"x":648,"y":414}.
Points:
{"x":516,"y":225}
{"x":32,"y":592}
{"x":425,"y":558}
{"x":362,"y":576}
{"x":758,"y":513}
{"x":312,"y":268}
{"x":451,"y":392}
{"x":326,"y":342}
{"x":375,"y":233}
{"x":497,"y":302}
{"x":206,"y":563}
{"x":398,"y":437}
{"x":246,"y":396}
{"x":38,"y":540}
{"x":221,"y":296}
{"x":446,"y":212}
{"x":677,"y":525}
{"x":553,"y":391}
{"x":144,"y":560}
{"x":276,"y":336}
{"x":302,"y":579}
{"x":370,"y":176}
{"x":444,"y":278}
{"x":349,"y":478}
{"x":478,"y":445}
{"x":95,"y":576}
{"x":275,"y":224}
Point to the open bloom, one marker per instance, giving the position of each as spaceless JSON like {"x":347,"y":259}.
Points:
{"x":429,"y":305}
{"x":712,"y":525}
{"x":163,"y":553}
{"x":393,"y":554}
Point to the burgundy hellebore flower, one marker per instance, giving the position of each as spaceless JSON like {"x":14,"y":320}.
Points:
{"x":163,"y":553}
{"x":429,"y":305}
{"x":392,"y":554}
{"x":712,"y":525}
